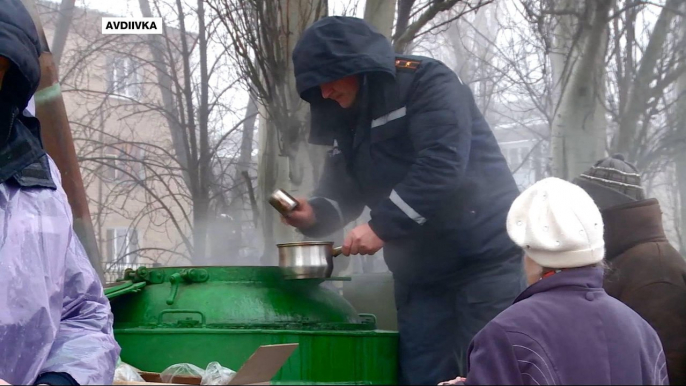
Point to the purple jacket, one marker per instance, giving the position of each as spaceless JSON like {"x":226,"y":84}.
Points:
{"x":566,"y":330}
{"x":55,"y":321}
{"x":54,"y":317}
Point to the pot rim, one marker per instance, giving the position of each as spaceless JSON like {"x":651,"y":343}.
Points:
{"x":305,"y":243}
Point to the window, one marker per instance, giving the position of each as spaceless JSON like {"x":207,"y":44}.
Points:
{"x":124,"y":77}
{"x":137,"y":164}
{"x":122,"y":247}
{"x":517,"y":155}
{"x":115,"y":163}
{"x":125,"y":162}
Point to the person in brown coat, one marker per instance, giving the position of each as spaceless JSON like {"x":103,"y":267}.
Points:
{"x":646,"y":273}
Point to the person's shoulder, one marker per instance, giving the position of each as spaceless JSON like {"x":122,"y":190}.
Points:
{"x":648,"y":263}
{"x":527,"y":315}
{"x":426,"y":74}
{"x":54,"y":171}
{"x":514,"y":331}
{"x":414,"y":61}
{"x":517,"y":318}
{"x":523,"y":306}
{"x":419,"y":65}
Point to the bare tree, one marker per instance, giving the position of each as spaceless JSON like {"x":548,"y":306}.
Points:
{"x":381,"y":15}
{"x":416,"y":18}
{"x":261,"y":35}
{"x":63,"y":24}
{"x":543,"y":72}
{"x":639,"y":88}
{"x":157,"y":133}
{"x":578,"y":129}
{"x":680,"y":139}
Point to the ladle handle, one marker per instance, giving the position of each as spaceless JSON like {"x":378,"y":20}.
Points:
{"x":336,"y":251}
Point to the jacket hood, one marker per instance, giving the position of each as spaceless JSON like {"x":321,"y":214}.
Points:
{"x":335,"y":47}
{"x":632,"y":224}
{"x":19,"y":43}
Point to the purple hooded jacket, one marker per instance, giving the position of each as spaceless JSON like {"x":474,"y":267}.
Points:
{"x":55,"y":321}
{"x":54,"y":317}
{"x":565,"y":329}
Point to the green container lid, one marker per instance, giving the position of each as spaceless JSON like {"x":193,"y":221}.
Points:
{"x":229,"y":297}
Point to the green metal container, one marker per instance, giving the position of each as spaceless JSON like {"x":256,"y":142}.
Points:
{"x":197,"y":315}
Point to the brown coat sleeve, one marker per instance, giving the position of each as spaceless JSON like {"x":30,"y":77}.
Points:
{"x":663,"y":306}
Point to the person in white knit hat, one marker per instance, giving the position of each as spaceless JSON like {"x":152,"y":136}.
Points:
{"x":558,"y":225}
{"x":564,"y":328}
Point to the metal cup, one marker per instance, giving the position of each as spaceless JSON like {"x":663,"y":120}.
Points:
{"x":283,"y":202}
{"x":307,"y":259}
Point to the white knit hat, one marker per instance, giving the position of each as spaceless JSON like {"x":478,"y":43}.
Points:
{"x":557,"y":224}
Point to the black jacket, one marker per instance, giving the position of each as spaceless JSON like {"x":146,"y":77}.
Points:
{"x":22,"y":158}
{"x":415,"y":149}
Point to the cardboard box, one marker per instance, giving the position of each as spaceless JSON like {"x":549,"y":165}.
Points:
{"x":259,"y":369}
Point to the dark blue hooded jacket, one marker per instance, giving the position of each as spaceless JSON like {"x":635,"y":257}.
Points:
{"x":22,"y":158}
{"x":414,"y":148}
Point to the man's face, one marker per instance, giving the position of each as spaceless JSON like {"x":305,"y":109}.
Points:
{"x":4,"y":67}
{"x":343,"y":91}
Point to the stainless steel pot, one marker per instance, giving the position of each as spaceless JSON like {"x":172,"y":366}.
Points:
{"x":307,"y":259}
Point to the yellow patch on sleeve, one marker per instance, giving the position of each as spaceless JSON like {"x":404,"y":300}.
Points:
{"x":407,"y":64}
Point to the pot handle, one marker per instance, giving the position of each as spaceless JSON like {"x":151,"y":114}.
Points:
{"x":336,"y":251}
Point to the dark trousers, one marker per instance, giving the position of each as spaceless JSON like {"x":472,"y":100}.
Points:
{"x":437,"y":322}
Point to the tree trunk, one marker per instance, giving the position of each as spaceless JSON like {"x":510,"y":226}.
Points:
{"x":403,"y":38}
{"x":165,"y":82}
{"x":404,"y":13}
{"x":562,"y":52}
{"x":680,"y":159}
{"x":484,"y":51}
{"x":639,"y":94}
{"x":293,"y":170}
{"x":238,"y":203}
{"x":59,"y":40}
{"x":192,"y":142}
{"x":380,"y":14}
{"x":202,"y":201}
{"x":268,"y":181}
{"x":578,"y":137}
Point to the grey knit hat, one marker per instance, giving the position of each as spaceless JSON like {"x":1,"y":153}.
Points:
{"x":612,"y":181}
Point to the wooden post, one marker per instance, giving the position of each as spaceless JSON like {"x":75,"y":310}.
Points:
{"x":59,"y":144}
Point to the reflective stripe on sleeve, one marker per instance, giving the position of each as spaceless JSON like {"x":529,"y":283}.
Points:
{"x":402,"y":205}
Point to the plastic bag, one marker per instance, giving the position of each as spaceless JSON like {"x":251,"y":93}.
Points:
{"x":128,"y":373}
{"x":215,"y":374}
{"x":183,"y":370}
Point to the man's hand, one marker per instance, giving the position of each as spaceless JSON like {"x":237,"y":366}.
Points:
{"x":456,"y":381}
{"x":302,"y":216}
{"x":362,"y":241}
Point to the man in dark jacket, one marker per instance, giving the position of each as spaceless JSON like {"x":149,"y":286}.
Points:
{"x":646,"y":272}
{"x":409,"y":143}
